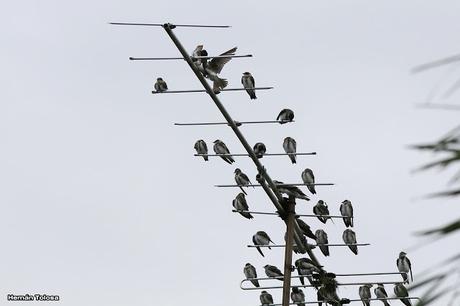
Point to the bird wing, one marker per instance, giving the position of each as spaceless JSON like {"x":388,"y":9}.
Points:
{"x":252,"y":81}
{"x":410,"y":269}
{"x":216,"y":64}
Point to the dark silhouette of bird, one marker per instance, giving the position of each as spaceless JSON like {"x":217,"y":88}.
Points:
{"x":321,"y":240}
{"x":321,"y":210}
{"x":240,"y":204}
{"x":380,"y":293}
{"x":297,"y":296}
{"x":306,"y":267}
{"x":349,"y":237}
{"x":404,"y":266}
{"x":286,"y":115}
{"x":261,"y":238}
{"x":309,"y":180}
{"x":250,"y":273}
{"x":242,"y":179}
{"x":221,"y":148}
{"x":290,"y":147}
{"x":266,"y":298}
{"x":249,"y":84}
{"x":201,"y":148}
{"x":306,"y":230}
{"x":290,"y":190}
{"x":273,"y":272}
{"x":160,"y":85}
{"x":401,"y":292}
{"x":365,"y":294}
{"x":259,"y":149}
{"x":346,"y":209}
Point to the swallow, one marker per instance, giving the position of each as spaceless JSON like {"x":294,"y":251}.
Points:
{"x":306,"y":267}
{"x":401,"y":292}
{"x":221,"y":148}
{"x":196,"y":53}
{"x":309,"y":180}
{"x":249,"y":84}
{"x":292,"y":191}
{"x":346,"y":209}
{"x":380,"y":293}
{"x":212,"y":68}
{"x":349,"y":237}
{"x":295,"y":248}
{"x":365,"y":294}
{"x":290,"y":147}
{"x":160,"y":85}
{"x":321,"y":210}
{"x":250,"y":273}
{"x":297,"y":296}
{"x":306,"y":230}
{"x":266,"y":298}
{"x":404,"y":266}
{"x":286,"y":115}
{"x":259,"y":149}
{"x":321,"y":240}
{"x":261,"y":238}
{"x":273,"y":272}
{"x":201,"y":148}
{"x":239,"y":203}
{"x":242,"y":179}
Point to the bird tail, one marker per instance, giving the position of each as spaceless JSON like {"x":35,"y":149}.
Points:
{"x":255,"y":282}
{"x":324,"y":249}
{"x":247,"y":215}
{"x":260,"y":251}
{"x":292,"y":157}
{"x":311,"y":188}
{"x":252,"y":94}
{"x":243,"y":190}
{"x":354,"y":249}
{"x":302,"y":280}
{"x":206,"y":158}
{"x":220,"y":83}
{"x":411,"y":277}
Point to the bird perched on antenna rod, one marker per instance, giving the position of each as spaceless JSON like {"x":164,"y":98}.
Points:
{"x":160,"y":85}
{"x":248,"y":82}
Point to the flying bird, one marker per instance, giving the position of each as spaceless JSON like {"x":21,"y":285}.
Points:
{"x":309,"y":180}
{"x":321,"y":210}
{"x":196,"y":53}
{"x":239,"y":203}
{"x":261,"y":238}
{"x":292,"y":191}
{"x":404,"y":266}
{"x":221,"y":148}
{"x":401,"y":292}
{"x":290,"y":147}
{"x":273,"y":272}
{"x":248,"y":82}
{"x":266,"y":298}
{"x":381,"y":294}
{"x":321,"y":240}
{"x":211,"y":69}
{"x":297,"y":296}
{"x":306,"y":230}
{"x":201,"y":148}
{"x":242,"y":179}
{"x":250,"y":272}
{"x":349,"y":237}
{"x":365,"y":294}
{"x":160,"y":85}
{"x":346,"y":209}
{"x":286,"y":115}
{"x":259,"y":149}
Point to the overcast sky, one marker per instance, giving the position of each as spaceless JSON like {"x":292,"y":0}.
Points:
{"x":102,"y":201}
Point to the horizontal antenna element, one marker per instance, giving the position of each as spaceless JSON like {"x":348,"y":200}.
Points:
{"x":238,"y":123}
{"x":169,"y":25}
{"x":202,"y":90}
{"x":181,"y":58}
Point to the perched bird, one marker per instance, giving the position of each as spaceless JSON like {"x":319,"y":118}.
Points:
{"x":211,"y":69}
{"x":365,"y":294}
{"x":201,"y":148}
{"x":160,"y":85}
{"x":266,"y":298}
{"x":297,"y":296}
{"x":349,"y":237}
{"x":309,"y":179}
{"x":221,"y":148}
{"x":306,"y":230}
{"x":261,"y":238}
{"x":305,"y":267}
{"x":401,"y":292}
{"x":241,"y":179}
{"x":239,"y":203}
{"x":274,"y":272}
{"x":346,"y":209}
{"x":295,"y":248}
{"x":292,"y":191}
{"x":290,"y":147}
{"x":321,"y":210}
{"x":404,"y":266}
{"x":259,"y":149}
{"x":248,"y":82}
{"x":286,"y":115}
{"x":321,"y":240}
{"x":381,"y":294}
{"x":250,"y":272}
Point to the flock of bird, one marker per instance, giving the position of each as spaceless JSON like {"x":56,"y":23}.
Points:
{"x":211,"y":68}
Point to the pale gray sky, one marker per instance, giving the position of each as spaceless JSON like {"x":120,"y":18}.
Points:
{"x":102,"y":201}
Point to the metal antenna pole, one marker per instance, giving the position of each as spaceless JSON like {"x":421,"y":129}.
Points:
{"x":288,"y":250}
{"x":260,"y":168}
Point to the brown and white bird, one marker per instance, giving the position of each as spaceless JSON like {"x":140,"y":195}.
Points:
{"x":402,"y":293}
{"x":309,"y":179}
{"x":261,"y":238}
{"x":266,"y":298}
{"x":290,"y":147}
{"x":249,"y":84}
{"x":273,"y":272}
{"x":259,"y":149}
{"x":349,"y":237}
{"x":346,"y":209}
{"x":404,"y":266}
{"x":322,"y":241}
{"x":297,"y":296}
{"x":290,"y":190}
{"x":286,"y":115}
{"x":250,"y":273}
{"x":221,"y":148}
{"x":365,"y":294}
{"x":201,"y":148}
{"x":381,"y":294}
{"x":160,"y":85}
{"x":306,"y":230}
{"x":321,"y":211}
{"x":240,"y":204}
{"x":242,"y":180}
